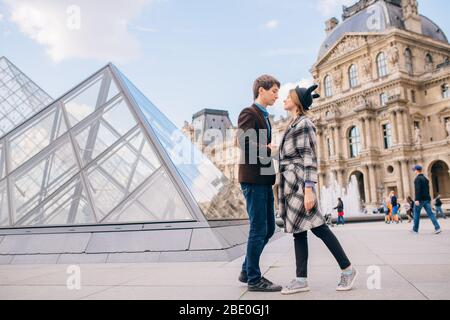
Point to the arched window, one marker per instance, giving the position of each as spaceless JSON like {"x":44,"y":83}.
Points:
{"x":353,"y":76}
{"x":328,"y":86}
{"x":382,"y":65}
{"x":409,"y":61}
{"x":429,"y":59}
{"x":445,"y":91}
{"x":354,"y":139}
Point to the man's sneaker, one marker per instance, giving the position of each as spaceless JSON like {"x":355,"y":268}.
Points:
{"x":347,"y":280}
{"x":264,"y":285}
{"x":438,"y":231}
{"x":243,"y":277}
{"x":414,"y":232}
{"x":296,"y":286}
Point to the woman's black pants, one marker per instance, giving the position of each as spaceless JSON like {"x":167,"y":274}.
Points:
{"x":301,"y":249}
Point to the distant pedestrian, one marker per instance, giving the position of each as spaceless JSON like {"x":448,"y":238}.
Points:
{"x":423,"y":199}
{"x":340,"y":210}
{"x":385,"y":207}
{"x":409,"y":208}
{"x":394,"y":206}
{"x":438,"y":206}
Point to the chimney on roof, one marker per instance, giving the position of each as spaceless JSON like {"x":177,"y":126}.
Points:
{"x":411,"y":16}
{"x":331,"y":24}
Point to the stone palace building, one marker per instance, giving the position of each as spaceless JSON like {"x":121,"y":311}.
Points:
{"x":384,"y":75}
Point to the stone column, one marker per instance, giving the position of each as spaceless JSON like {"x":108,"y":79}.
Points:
{"x":401,"y":131}
{"x":406,"y":179}
{"x":332,"y":137}
{"x":398,"y":174}
{"x":407,"y":128}
{"x":394,"y":128}
{"x":320,"y":155}
{"x":368,"y":133}
{"x":373,"y":184}
{"x":341,"y":178}
{"x":367,"y":193}
{"x":338,"y":150}
{"x":362,"y":121}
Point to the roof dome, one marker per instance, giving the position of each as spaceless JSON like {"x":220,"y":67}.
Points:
{"x":376,"y":16}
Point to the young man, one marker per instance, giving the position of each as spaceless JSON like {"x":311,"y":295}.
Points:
{"x":257,"y":176}
{"x":423,"y":200}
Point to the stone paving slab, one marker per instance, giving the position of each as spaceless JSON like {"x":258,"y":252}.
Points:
{"x":410,"y":267}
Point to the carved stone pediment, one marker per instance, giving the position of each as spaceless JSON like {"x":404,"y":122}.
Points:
{"x":347,"y":44}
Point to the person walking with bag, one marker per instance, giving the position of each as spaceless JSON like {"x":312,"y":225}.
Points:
{"x":298,"y":201}
{"x":340,"y":210}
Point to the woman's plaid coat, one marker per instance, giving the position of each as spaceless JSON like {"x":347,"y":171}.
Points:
{"x":298,"y":164}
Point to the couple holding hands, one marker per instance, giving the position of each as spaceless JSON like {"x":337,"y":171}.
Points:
{"x":298,"y":203}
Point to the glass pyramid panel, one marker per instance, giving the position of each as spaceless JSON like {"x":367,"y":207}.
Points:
{"x":130,"y":167}
{"x":36,"y":135}
{"x":157,"y":201}
{"x":217,"y":197}
{"x":104,"y":130}
{"x":4,"y":213}
{"x":2,"y":161}
{"x":40,"y":180}
{"x":89,"y":98}
{"x":20,"y":98}
{"x":68,"y":207}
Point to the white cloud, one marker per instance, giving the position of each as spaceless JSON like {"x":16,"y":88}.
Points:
{"x":1,"y":17}
{"x":90,"y":29}
{"x":272,"y":24}
{"x":278,"y":108}
{"x":328,"y":7}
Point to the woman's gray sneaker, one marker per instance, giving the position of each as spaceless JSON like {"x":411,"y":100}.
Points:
{"x":296,"y":286}
{"x":347,"y":280}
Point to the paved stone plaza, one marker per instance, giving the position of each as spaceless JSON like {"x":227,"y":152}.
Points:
{"x":412,"y":267}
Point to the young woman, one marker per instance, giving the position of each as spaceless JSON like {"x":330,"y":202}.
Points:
{"x":340,"y":210}
{"x":298,"y":202}
{"x":394,"y":207}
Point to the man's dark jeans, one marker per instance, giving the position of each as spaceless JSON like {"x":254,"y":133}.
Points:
{"x":418,"y":209}
{"x":261,"y":212}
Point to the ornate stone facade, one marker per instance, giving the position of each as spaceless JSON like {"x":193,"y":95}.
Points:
{"x":396,"y":116}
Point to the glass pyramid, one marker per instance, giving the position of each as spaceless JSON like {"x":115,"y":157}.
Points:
{"x":20,"y":98}
{"x":104,"y":154}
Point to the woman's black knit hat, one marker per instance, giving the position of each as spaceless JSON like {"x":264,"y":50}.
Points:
{"x":306,"y":96}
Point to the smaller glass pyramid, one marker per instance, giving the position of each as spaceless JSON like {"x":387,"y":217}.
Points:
{"x":20,"y":98}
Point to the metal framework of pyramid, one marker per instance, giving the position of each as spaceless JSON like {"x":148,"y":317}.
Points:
{"x":20,"y":97}
{"x":102,"y":174}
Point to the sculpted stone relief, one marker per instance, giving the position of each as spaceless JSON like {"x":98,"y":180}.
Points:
{"x":393,"y":57}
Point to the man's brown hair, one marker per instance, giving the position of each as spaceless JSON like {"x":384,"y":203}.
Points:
{"x":266,"y":82}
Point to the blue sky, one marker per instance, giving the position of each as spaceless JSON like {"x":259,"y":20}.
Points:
{"x":185,"y":55}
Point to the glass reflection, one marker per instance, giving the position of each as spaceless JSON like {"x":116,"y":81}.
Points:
{"x":218,"y":198}
{"x":40,"y":180}
{"x":36,"y":136}
{"x":157,"y":201}
{"x":70,"y":206}
{"x":4,"y":212}
{"x":121,"y":171}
